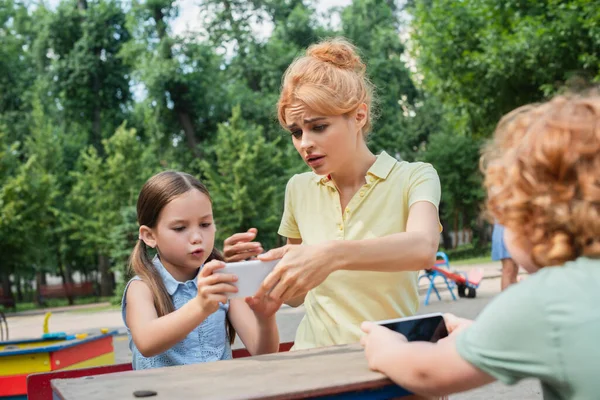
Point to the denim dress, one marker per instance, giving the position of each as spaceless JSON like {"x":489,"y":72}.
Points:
{"x":207,"y":342}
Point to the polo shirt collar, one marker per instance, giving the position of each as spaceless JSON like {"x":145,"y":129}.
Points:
{"x":381,"y":169}
{"x":171,"y":284}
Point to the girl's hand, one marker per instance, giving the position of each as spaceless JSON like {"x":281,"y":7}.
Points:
{"x":213,"y":288}
{"x":302,"y":268}
{"x":378,"y":343}
{"x":238,"y":247}
{"x":263,"y":307}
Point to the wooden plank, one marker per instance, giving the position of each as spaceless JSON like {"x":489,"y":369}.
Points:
{"x":243,"y":352}
{"x":38,"y":385}
{"x":319,"y":372}
{"x":86,"y":350}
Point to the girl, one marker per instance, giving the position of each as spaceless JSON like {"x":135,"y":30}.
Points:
{"x":543,"y":185}
{"x":176,"y":309}
{"x":366,"y":223}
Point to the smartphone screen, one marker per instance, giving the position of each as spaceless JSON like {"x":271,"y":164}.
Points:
{"x":416,"y":329}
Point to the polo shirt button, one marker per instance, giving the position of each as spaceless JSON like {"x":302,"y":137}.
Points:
{"x":362,"y":193}
{"x":340,"y":227}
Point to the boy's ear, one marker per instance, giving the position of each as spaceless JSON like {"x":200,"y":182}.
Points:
{"x":147,"y":236}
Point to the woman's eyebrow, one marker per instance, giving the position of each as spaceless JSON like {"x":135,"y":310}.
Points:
{"x":307,"y":121}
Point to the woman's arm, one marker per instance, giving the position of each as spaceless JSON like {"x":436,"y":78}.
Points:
{"x":257,"y":330}
{"x":412,"y":250}
{"x":153,"y":335}
{"x":305,"y":267}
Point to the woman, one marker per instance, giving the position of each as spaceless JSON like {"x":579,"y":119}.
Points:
{"x":359,"y":227}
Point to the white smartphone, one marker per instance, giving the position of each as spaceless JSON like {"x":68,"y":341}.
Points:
{"x":250,"y":275}
{"x":419,"y":328}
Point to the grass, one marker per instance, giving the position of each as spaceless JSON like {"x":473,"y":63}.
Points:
{"x":50,"y":303}
{"x":95,"y":309}
{"x":468,"y":252}
{"x":471,"y":261}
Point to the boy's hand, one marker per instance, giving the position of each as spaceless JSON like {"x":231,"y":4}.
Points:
{"x":455,"y":324}
{"x":263,"y":307}
{"x":213,"y":288}
{"x":378,"y":342}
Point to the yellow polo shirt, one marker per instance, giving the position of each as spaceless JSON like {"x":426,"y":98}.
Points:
{"x":336,"y":308}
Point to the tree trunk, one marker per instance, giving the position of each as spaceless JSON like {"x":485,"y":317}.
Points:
{"x":65,"y":273}
{"x":456,"y":214}
{"x":40,"y":279}
{"x":19,"y":285}
{"x":177,"y":91}
{"x":188,"y":127}
{"x":6,"y":286}
{"x":106,"y":280}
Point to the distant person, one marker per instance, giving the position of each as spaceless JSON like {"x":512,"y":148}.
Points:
{"x":176,"y":309}
{"x":510,"y":269}
{"x":542,"y":181}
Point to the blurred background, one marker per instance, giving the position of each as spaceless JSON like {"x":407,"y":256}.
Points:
{"x":98,"y":95}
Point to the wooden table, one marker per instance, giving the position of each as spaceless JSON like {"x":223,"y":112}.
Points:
{"x":338,"y":372}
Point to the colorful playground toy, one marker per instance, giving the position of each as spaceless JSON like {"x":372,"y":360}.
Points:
{"x":465,"y":283}
{"x":52,"y":352}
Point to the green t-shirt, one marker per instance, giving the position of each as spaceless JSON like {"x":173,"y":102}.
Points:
{"x":546,"y":327}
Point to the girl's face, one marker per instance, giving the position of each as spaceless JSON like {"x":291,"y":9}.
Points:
{"x":184,"y":234}
{"x":326,"y":143}
{"x":520,"y":251}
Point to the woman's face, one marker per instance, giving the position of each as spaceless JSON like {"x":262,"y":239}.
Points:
{"x":325,"y":142}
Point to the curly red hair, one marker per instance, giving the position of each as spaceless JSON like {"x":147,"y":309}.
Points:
{"x":542,"y":175}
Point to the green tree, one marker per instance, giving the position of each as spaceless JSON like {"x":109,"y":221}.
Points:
{"x":246,"y":180}
{"x":373,"y":26}
{"x":79,"y":47}
{"x":103,"y":187}
{"x":483,"y":58}
{"x":27,"y":208}
{"x":182,"y":77}
{"x":456,"y":159}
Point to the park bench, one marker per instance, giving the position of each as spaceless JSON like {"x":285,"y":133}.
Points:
{"x":7,"y":300}
{"x":68,"y":290}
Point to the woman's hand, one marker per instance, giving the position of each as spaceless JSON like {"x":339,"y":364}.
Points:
{"x":213,"y":288}
{"x":238,"y":247}
{"x":302,"y":268}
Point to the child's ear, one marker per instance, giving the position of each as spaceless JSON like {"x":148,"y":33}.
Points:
{"x":147,"y":236}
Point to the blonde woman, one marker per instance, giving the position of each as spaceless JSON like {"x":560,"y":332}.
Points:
{"x":359,"y":226}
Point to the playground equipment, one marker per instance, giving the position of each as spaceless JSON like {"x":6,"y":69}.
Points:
{"x":465,"y":283}
{"x":3,"y":327}
{"x":53,"y":351}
